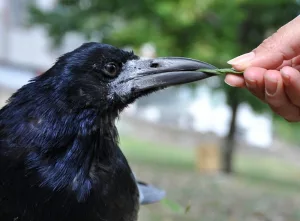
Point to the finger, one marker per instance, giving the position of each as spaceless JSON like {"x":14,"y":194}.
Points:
{"x":276,"y":98}
{"x":295,"y":62}
{"x":271,"y":53}
{"x":291,"y":80}
{"x":254,"y":80}
{"x":234,"y":80}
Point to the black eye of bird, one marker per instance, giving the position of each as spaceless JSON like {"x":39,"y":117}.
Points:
{"x":111,"y":69}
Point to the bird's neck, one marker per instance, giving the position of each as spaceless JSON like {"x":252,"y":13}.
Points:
{"x":67,"y":150}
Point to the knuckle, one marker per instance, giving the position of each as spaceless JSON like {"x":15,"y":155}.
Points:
{"x":293,"y":98}
{"x":274,"y":103}
{"x":276,"y":110}
{"x":292,"y":119}
{"x":273,"y":44}
{"x":257,"y":93}
{"x":295,"y":102}
{"x":292,"y":115}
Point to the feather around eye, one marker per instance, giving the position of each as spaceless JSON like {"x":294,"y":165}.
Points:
{"x":111,"y":69}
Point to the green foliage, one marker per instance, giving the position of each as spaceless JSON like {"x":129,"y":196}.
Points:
{"x":210,"y":30}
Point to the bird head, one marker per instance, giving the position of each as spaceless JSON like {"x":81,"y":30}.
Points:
{"x":62,"y":123}
{"x":107,"y":78}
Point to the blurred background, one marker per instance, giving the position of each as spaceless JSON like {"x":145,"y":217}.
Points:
{"x":218,"y":152}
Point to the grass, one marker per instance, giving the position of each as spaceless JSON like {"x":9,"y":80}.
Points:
{"x":157,"y":155}
{"x":274,"y":173}
{"x":263,"y":188}
{"x":254,"y":169}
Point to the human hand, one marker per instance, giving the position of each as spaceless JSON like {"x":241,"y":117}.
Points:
{"x":271,"y":71}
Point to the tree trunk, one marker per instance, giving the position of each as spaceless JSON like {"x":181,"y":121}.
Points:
{"x":229,"y":142}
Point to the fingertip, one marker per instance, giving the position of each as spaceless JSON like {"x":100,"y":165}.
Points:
{"x":285,"y":76}
{"x":289,"y":74}
{"x":240,"y":67}
{"x":287,"y":70}
{"x":272,"y":75}
{"x":254,"y":73}
{"x":254,"y":78}
{"x":234,"y":80}
{"x":241,"y":62}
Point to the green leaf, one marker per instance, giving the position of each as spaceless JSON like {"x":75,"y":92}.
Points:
{"x":173,"y":206}
{"x":188,"y":208}
{"x":221,"y":71}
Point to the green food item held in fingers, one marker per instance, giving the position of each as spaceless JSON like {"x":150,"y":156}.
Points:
{"x":221,"y":71}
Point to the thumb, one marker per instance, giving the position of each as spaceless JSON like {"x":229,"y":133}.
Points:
{"x":270,"y":54}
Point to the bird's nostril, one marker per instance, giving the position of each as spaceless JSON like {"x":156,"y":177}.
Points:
{"x":154,"y":65}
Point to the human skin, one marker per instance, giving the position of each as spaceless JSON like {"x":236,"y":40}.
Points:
{"x":271,"y":71}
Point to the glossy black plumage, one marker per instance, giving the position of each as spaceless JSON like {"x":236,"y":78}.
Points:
{"x":58,"y":143}
{"x":59,"y":153}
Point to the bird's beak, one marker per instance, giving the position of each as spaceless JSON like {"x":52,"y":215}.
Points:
{"x":147,"y":74}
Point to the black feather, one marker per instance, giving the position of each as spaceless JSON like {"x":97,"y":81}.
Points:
{"x":59,"y":154}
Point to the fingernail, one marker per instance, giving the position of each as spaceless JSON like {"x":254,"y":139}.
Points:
{"x":229,"y":83}
{"x":285,"y":77}
{"x":271,"y":86}
{"x":251,"y":84}
{"x":242,"y":59}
